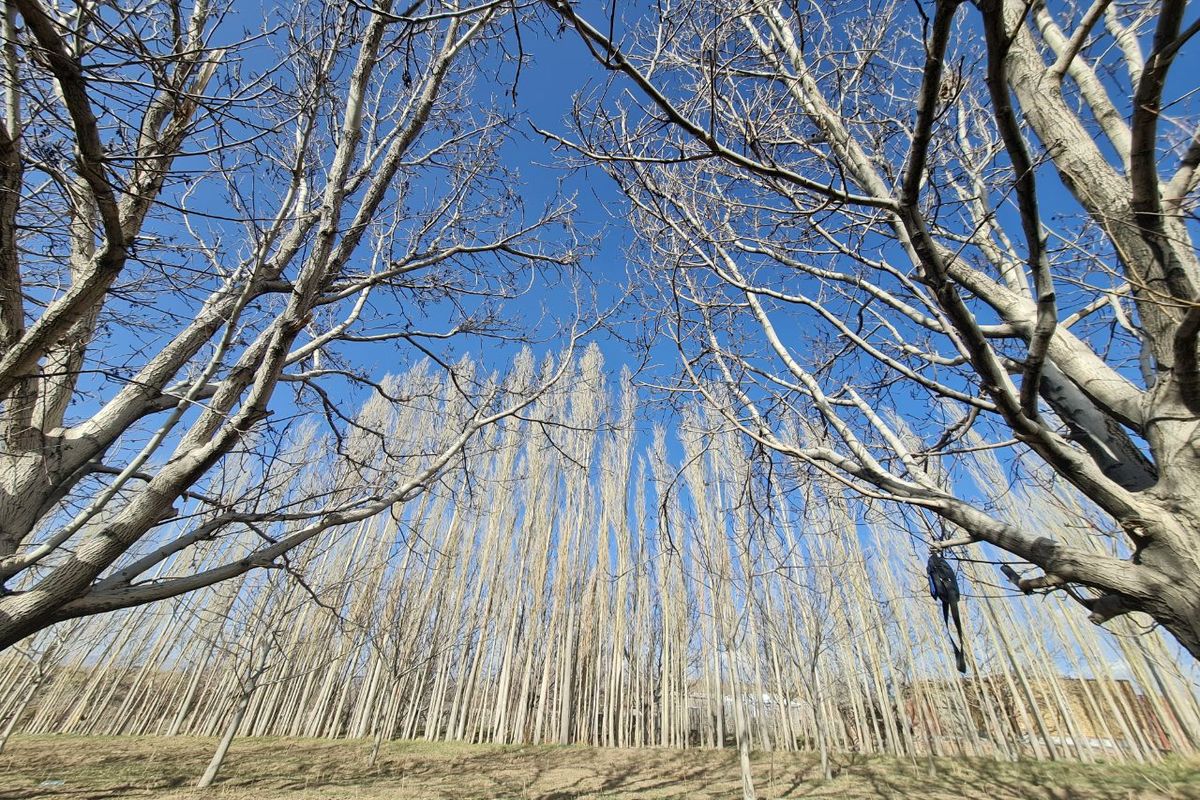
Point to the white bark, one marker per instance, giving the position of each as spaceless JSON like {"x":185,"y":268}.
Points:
{"x":93,"y":469}
{"x":861,"y":287}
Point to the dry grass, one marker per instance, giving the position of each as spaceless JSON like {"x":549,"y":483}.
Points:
{"x":269,"y":768}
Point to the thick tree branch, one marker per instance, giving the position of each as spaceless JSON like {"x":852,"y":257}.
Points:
{"x":1143,"y":159}
{"x":998,"y":39}
{"x":614,"y":57}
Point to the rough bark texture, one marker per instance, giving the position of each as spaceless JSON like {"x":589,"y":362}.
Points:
{"x":165,"y":277}
{"x":833,"y":248}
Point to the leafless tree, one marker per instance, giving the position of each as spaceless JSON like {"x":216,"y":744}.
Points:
{"x":206,"y":218}
{"x":670,"y":606}
{"x":939,"y":217}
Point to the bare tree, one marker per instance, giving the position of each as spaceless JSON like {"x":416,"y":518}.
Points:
{"x":698,"y":605}
{"x":202,"y":207}
{"x":950,"y":218}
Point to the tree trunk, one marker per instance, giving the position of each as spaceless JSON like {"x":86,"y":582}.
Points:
{"x":214,"y":766}
{"x":744,"y":762}
{"x":19,"y":710}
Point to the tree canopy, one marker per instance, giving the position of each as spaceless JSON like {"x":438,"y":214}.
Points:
{"x":875,"y":231}
{"x":878,"y":236}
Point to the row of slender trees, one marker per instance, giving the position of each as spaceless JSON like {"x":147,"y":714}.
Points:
{"x":592,"y":581}
{"x":215,"y":216}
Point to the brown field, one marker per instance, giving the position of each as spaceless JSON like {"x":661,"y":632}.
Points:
{"x":162,"y":768}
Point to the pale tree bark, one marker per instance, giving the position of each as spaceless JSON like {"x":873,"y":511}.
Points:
{"x":41,"y":668}
{"x":795,"y":629}
{"x":260,"y":654}
{"x":212,"y":258}
{"x":830,"y":239}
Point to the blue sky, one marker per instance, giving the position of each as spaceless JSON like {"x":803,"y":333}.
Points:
{"x":558,"y":67}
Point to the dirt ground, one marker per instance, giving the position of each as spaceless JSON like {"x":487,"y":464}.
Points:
{"x":305,"y":769}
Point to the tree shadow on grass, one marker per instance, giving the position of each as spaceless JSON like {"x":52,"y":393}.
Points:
{"x":33,"y":792}
{"x":985,"y":779}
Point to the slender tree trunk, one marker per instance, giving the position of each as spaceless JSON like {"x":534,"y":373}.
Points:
{"x":18,"y":710}
{"x":744,"y":763}
{"x":218,"y":757}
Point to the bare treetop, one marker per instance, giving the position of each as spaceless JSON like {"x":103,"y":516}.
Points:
{"x":207,"y":213}
{"x":866,"y":219}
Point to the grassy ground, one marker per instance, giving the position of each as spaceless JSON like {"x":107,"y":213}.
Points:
{"x":296,"y":769}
